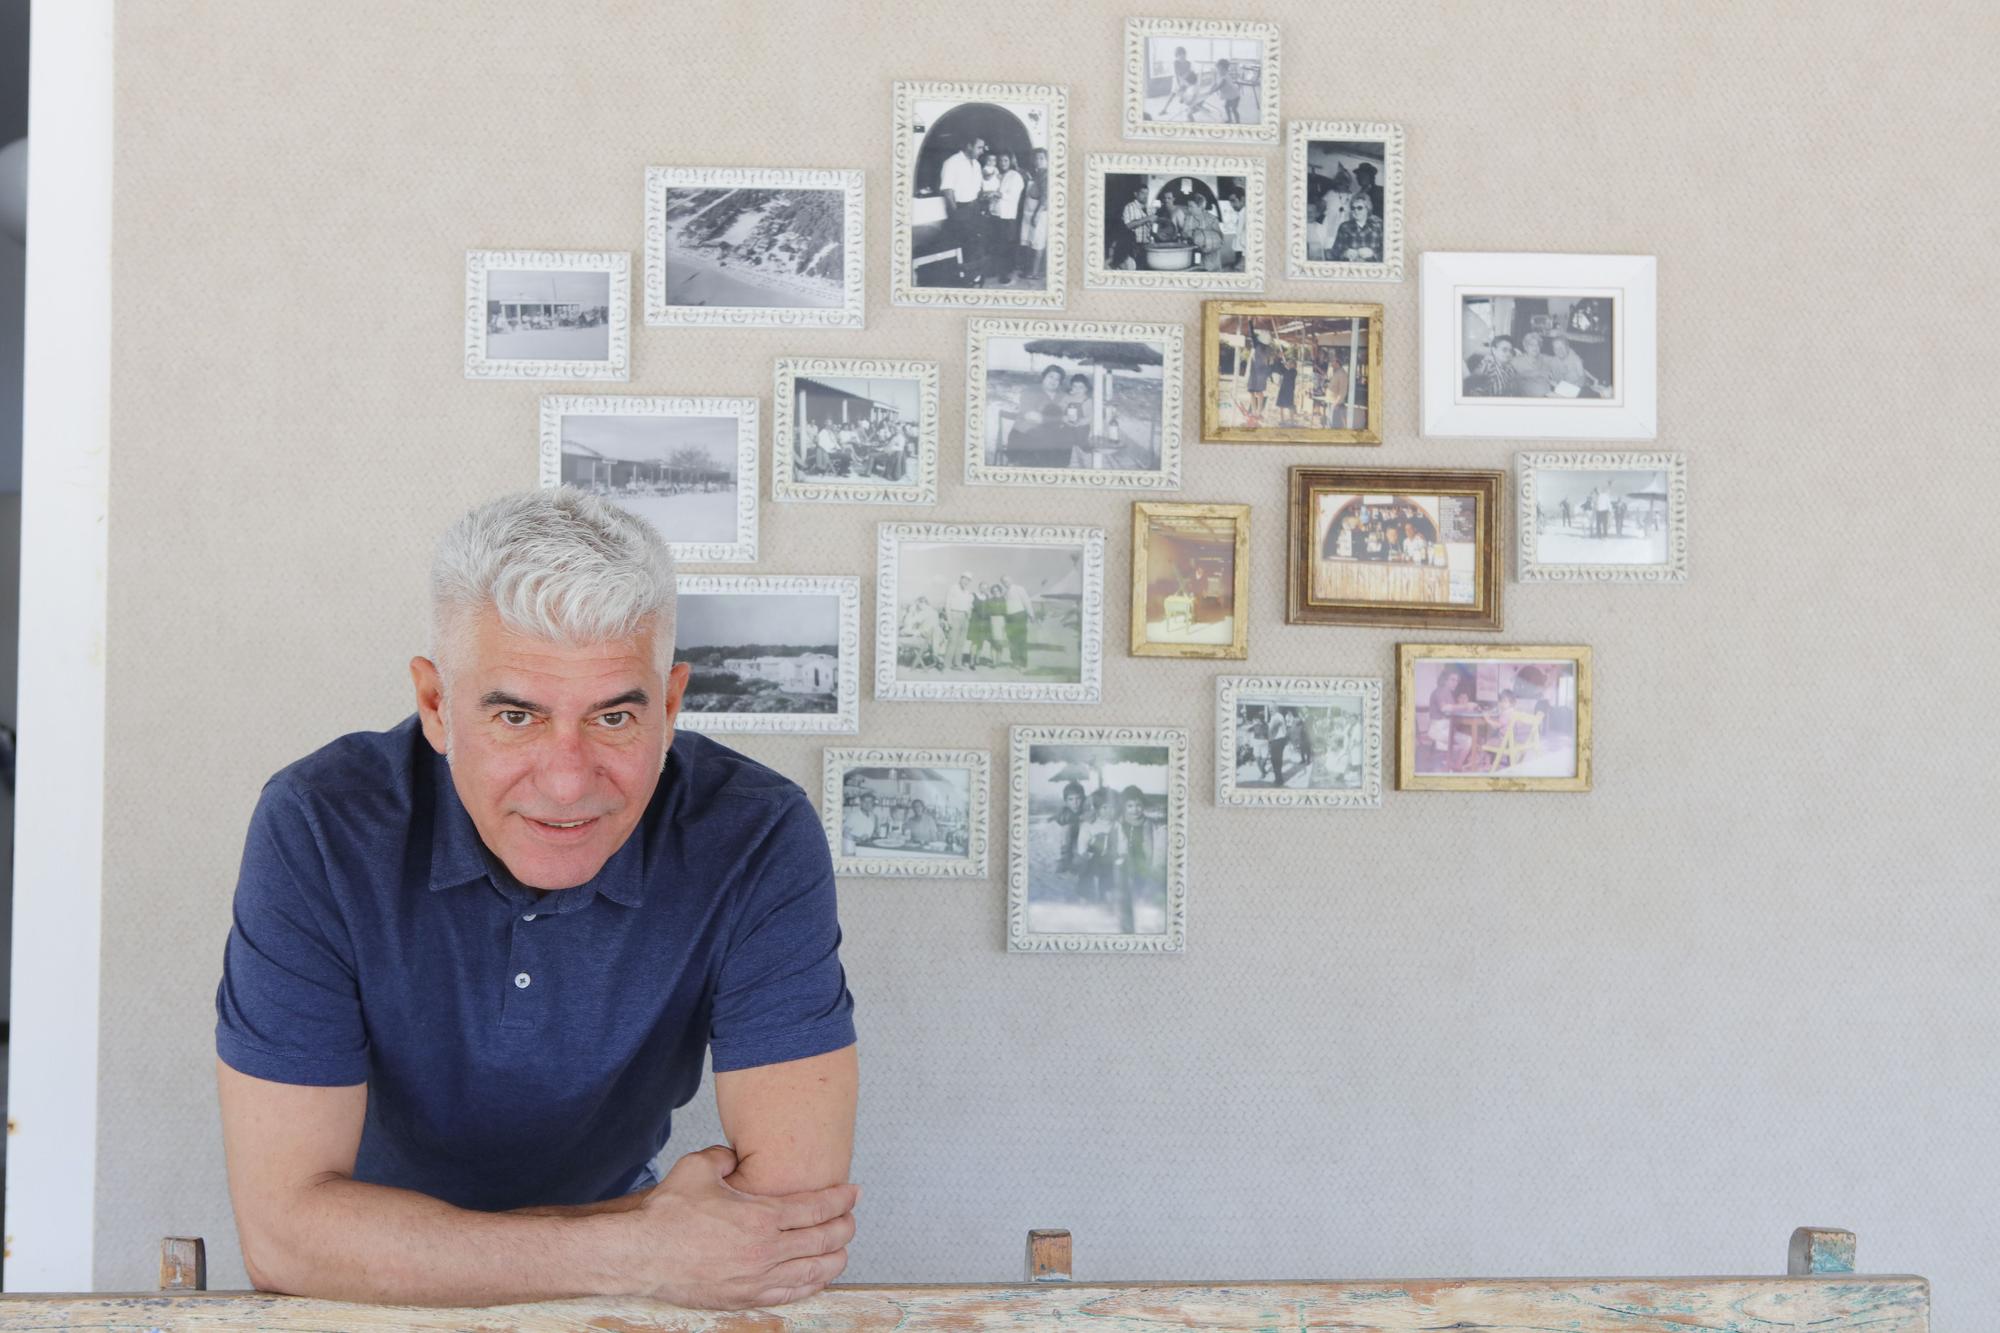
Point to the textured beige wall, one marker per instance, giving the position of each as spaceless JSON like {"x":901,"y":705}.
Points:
{"x":1745,"y":984}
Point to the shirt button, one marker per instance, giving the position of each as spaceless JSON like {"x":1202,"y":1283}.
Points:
{"x":530,"y":916}
{"x":521,"y":980}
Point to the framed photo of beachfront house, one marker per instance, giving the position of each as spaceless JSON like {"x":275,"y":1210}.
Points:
{"x":1539,"y":346}
{"x":855,"y":431}
{"x":688,"y":466}
{"x":979,"y":177}
{"x":1492,"y":717}
{"x":769,"y":652}
{"x":989,"y":611}
{"x":1394,"y":546}
{"x":748,"y":246}
{"x":906,"y":813}
{"x":1207,"y":79}
{"x":1601,"y":518}
{"x":548,"y":315}
{"x":1158,"y":223}
{"x":1344,"y":201}
{"x":1052,"y":403}
{"x":1298,"y":742}
{"x":1291,"y":372}
{"x":1190,"y":580}
{"x":1097,"y":840}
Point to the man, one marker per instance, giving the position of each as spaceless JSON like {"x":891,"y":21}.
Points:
{"x":1364,"y":183}
{"x":1227,"y":90}
{"x":1359,"y":239}
{"x":1230,"y":210}
{"x":476,"y":961}
{"x":859,"y":825}
{"x":1020,"y":606}
{"x":1496,"y":373}
{"x":1139,"y":863}
{"x":1566,"y":367}
{"x":958,"y":620}
{"x":921,"y":830}
{"x":1601,"y":504}
{"x":1128,"y":244}
{"x":827,"y":447}
{"x":1005,"y":237}
{"x":960,"y":181}
{"x":1275,"y":735}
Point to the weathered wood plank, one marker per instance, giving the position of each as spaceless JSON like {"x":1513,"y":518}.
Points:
{"x":1048,"y":1256}
{"x":1821,"y":1250}
{"x":183,"y":1264}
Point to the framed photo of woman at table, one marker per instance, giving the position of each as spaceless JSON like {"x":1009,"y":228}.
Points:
{"x":1394,"y":546}
{"x":1160,"y":223}
{"x":1291,"y":372}
{"x":1492,"y":717}
{"x":906,"y":813}
{"x":1190,"y":580}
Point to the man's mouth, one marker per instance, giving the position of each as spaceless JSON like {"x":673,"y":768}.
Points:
{"x":561,"y":828}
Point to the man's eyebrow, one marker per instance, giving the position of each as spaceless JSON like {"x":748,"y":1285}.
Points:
{"x":639,"y":697}
{"x":501,"y":699}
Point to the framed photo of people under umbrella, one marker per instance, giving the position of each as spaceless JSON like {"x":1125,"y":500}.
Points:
{"x":1291,"y":372}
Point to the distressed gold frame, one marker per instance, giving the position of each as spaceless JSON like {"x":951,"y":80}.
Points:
{"x":1482,"y":614}
{"x":1211,"y":347}
{"x":1407,"y":657}
{"x":1239,"y":514}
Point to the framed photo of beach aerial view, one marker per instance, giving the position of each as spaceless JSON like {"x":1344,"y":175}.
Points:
{"x":749,"y":246}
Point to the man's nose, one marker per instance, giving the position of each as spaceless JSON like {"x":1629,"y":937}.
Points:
{"x":565,"y":771}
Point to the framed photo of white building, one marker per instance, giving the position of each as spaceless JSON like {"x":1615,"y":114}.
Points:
{"x":979,"y":179}
{"x":749,"y":246}
{"x":1201,"y":79}
{"x":989,"y":611}
{"x":1297,"y":742}
{"x":688,"y":466}
{"x":1154,"y":222}
{"x":769,"y":652}
{"x":1097,"y":840}
{"x":1070,"y":403}
{"x":1601,"y":518}
{"x":855,"y":431}
{"x":548,"y":315}
{"x":1344,"y":201}
{"x":906,"y":813}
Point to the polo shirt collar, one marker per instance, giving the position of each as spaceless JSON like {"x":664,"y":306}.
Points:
{"x":458,"y":856}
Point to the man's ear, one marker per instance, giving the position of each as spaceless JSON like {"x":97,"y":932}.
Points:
{"x":430,"y":700}
{"x":677,"y":683}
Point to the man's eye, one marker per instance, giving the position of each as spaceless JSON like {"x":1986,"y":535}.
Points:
{"x":616,"y":721}
{"x":516,"y":717}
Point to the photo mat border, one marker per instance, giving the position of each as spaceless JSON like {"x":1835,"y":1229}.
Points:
{"x":1407,"y":657}
{"x":1136,"y":126}
{"x":1230,"y":690}
{"x":1213,"y":432}
{"x":1487,"y":483}
{"x":784,"y":486}
{"x":849,"y":314}
{"x":1239,"y":646}
{"x":617,"y":364}
{"x":846,"y":718}
{"x":835,"y":762}
{"x":1256,"y":200}
{"x":1297,"y":265}
{"x":1531,"y":570}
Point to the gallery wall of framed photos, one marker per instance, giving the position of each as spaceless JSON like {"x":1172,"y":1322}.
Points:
{"x":1476,"y":278}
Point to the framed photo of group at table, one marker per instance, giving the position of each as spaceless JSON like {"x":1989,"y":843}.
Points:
{"x":1601,"y":518}
{"x":1190,"y":579}
{"x":1344,"y":201}
{"x":1162,"y":223}
{"x":906,"y":813}
{"x":1296,"y":742}
{"x":1291,"y":372}
{"x":1492,"y":717}
{"x":1394,"y":546}
{"x":855,"y":431}
{"x":1070,"y":403}
{"x":749,"y":246}
{"x":769,"y":652}
{"x":548,"y":315}
{"x":1212,"y":79}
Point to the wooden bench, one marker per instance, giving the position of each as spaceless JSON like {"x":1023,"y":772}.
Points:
{"x":1821,"y":1292}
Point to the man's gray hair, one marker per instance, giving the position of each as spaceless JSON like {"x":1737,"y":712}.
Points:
{"x":561,"y":565}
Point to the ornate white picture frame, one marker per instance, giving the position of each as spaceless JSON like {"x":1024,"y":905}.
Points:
{"x":1552,"y":526}
{"x":1085,"y":899}
{"x":1105,"y":442}
{"x":1354,"y":741}
{"x":1156,"y":106}
{"x":790,"y":482}
{"x":769,"y":674}
{"x":755,"y":294}
{"x":1387,"y":141}
{"x":656,"y":476}
{"x":927,"y":776}
{"x":1032,"y":116}
{"x":1103,"y":223}
{"x":924,"y":651}
{"x":541,"y":314}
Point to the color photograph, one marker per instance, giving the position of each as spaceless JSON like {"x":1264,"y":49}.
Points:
{"x":1503,"y":718}
{"x":1290,"y":372}
{"x":1190,"y":580}
{"x":1395,"y":546}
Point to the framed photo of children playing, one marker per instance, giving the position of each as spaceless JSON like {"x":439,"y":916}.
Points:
{"x":906,"y":813}
{"x":1201,"y":79}
{"x":1157,"y":223}
{"x":1394,"y":546}
{"x":1344,"y":201}
{"x":548,"y":315}
{"x":1291,"y":372}
{"x":1190,"y":580}
{"x":1488,"y":717}
{"x":855,"y":431}
{"x":1097,"y":840}
{"x":1060,"y":403}
{"x":1298,"y":741}
{"x":1601,"y":518}
{"x":746,"y":246}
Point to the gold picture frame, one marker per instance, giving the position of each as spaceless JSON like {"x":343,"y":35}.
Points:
{"x":1198,"y":536}
{"x":1394,"y":552}
{"x":1516,"y":730}
{"x":1227,"y":327}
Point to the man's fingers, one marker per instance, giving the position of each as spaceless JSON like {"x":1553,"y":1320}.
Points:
{"x":808,"y":1242}
{"x":796,"y":1211}
{"x":800,"y":1278}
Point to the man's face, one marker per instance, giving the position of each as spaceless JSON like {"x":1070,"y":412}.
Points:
{"x":1073,"y":799}
{"x":1135,"y":810}
{"x":555,"y":750}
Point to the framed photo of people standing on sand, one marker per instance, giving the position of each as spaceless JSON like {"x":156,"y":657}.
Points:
{"x":1394,"y":546}
{"x":1492,"y":717}
{"x":1601,"y":518}
{"x":754,"y":245}
{"x":1213,"y":79}
{"x":1164,"y":223}
{"x":1291,"y":372}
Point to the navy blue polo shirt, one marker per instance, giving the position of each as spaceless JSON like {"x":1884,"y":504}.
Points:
{"x":519,"y":1048}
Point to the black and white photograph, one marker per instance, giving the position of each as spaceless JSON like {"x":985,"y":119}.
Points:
{"x":1098,"y":832}
{"x":1602,"y":517}
{"x":1538,"y":346}
{"x":1345,"y":201}
{"x":547,"y":315}
{"x":1173,"y":223}
{"x":906,"y":813}
{"x":688,"y":466}
{"x":1201,"y":79}
{"x":1073,"y":404}
{"x":979,"y":181}
{"x":754,"y":245}
{"x":989,"y":612}
{"x":771,"y":652}
{"x":1298,"y":741}
{"x":860,"y":431}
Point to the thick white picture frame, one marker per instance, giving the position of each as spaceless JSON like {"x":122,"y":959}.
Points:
{"x":616,"y":264}
{"x":978,"y":764}
{"x":1445,"y":276}
{"x":1232,"y":690}
{"x":1137,"y":30}
{"x":849,"y":314}
{"x":743,"y":548}
{"x":786,"y":485}
{"x":1097,"y":276}
{"x":1298,"y":261}
{"x":1531,"y":569}
{"x":846,"y":718}
{"x":1172,"y":339}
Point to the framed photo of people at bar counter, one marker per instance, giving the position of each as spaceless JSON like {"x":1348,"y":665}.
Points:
{"x":1190,"y":579}
{"x":1153,"y":222}
{"x":1492,"y":717}
{"x":1291,"y":372}
{"x":906,"y":813}
{"x":1394,"y":546}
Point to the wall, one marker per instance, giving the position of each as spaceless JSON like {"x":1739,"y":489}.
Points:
{"x":1746,"y":983}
